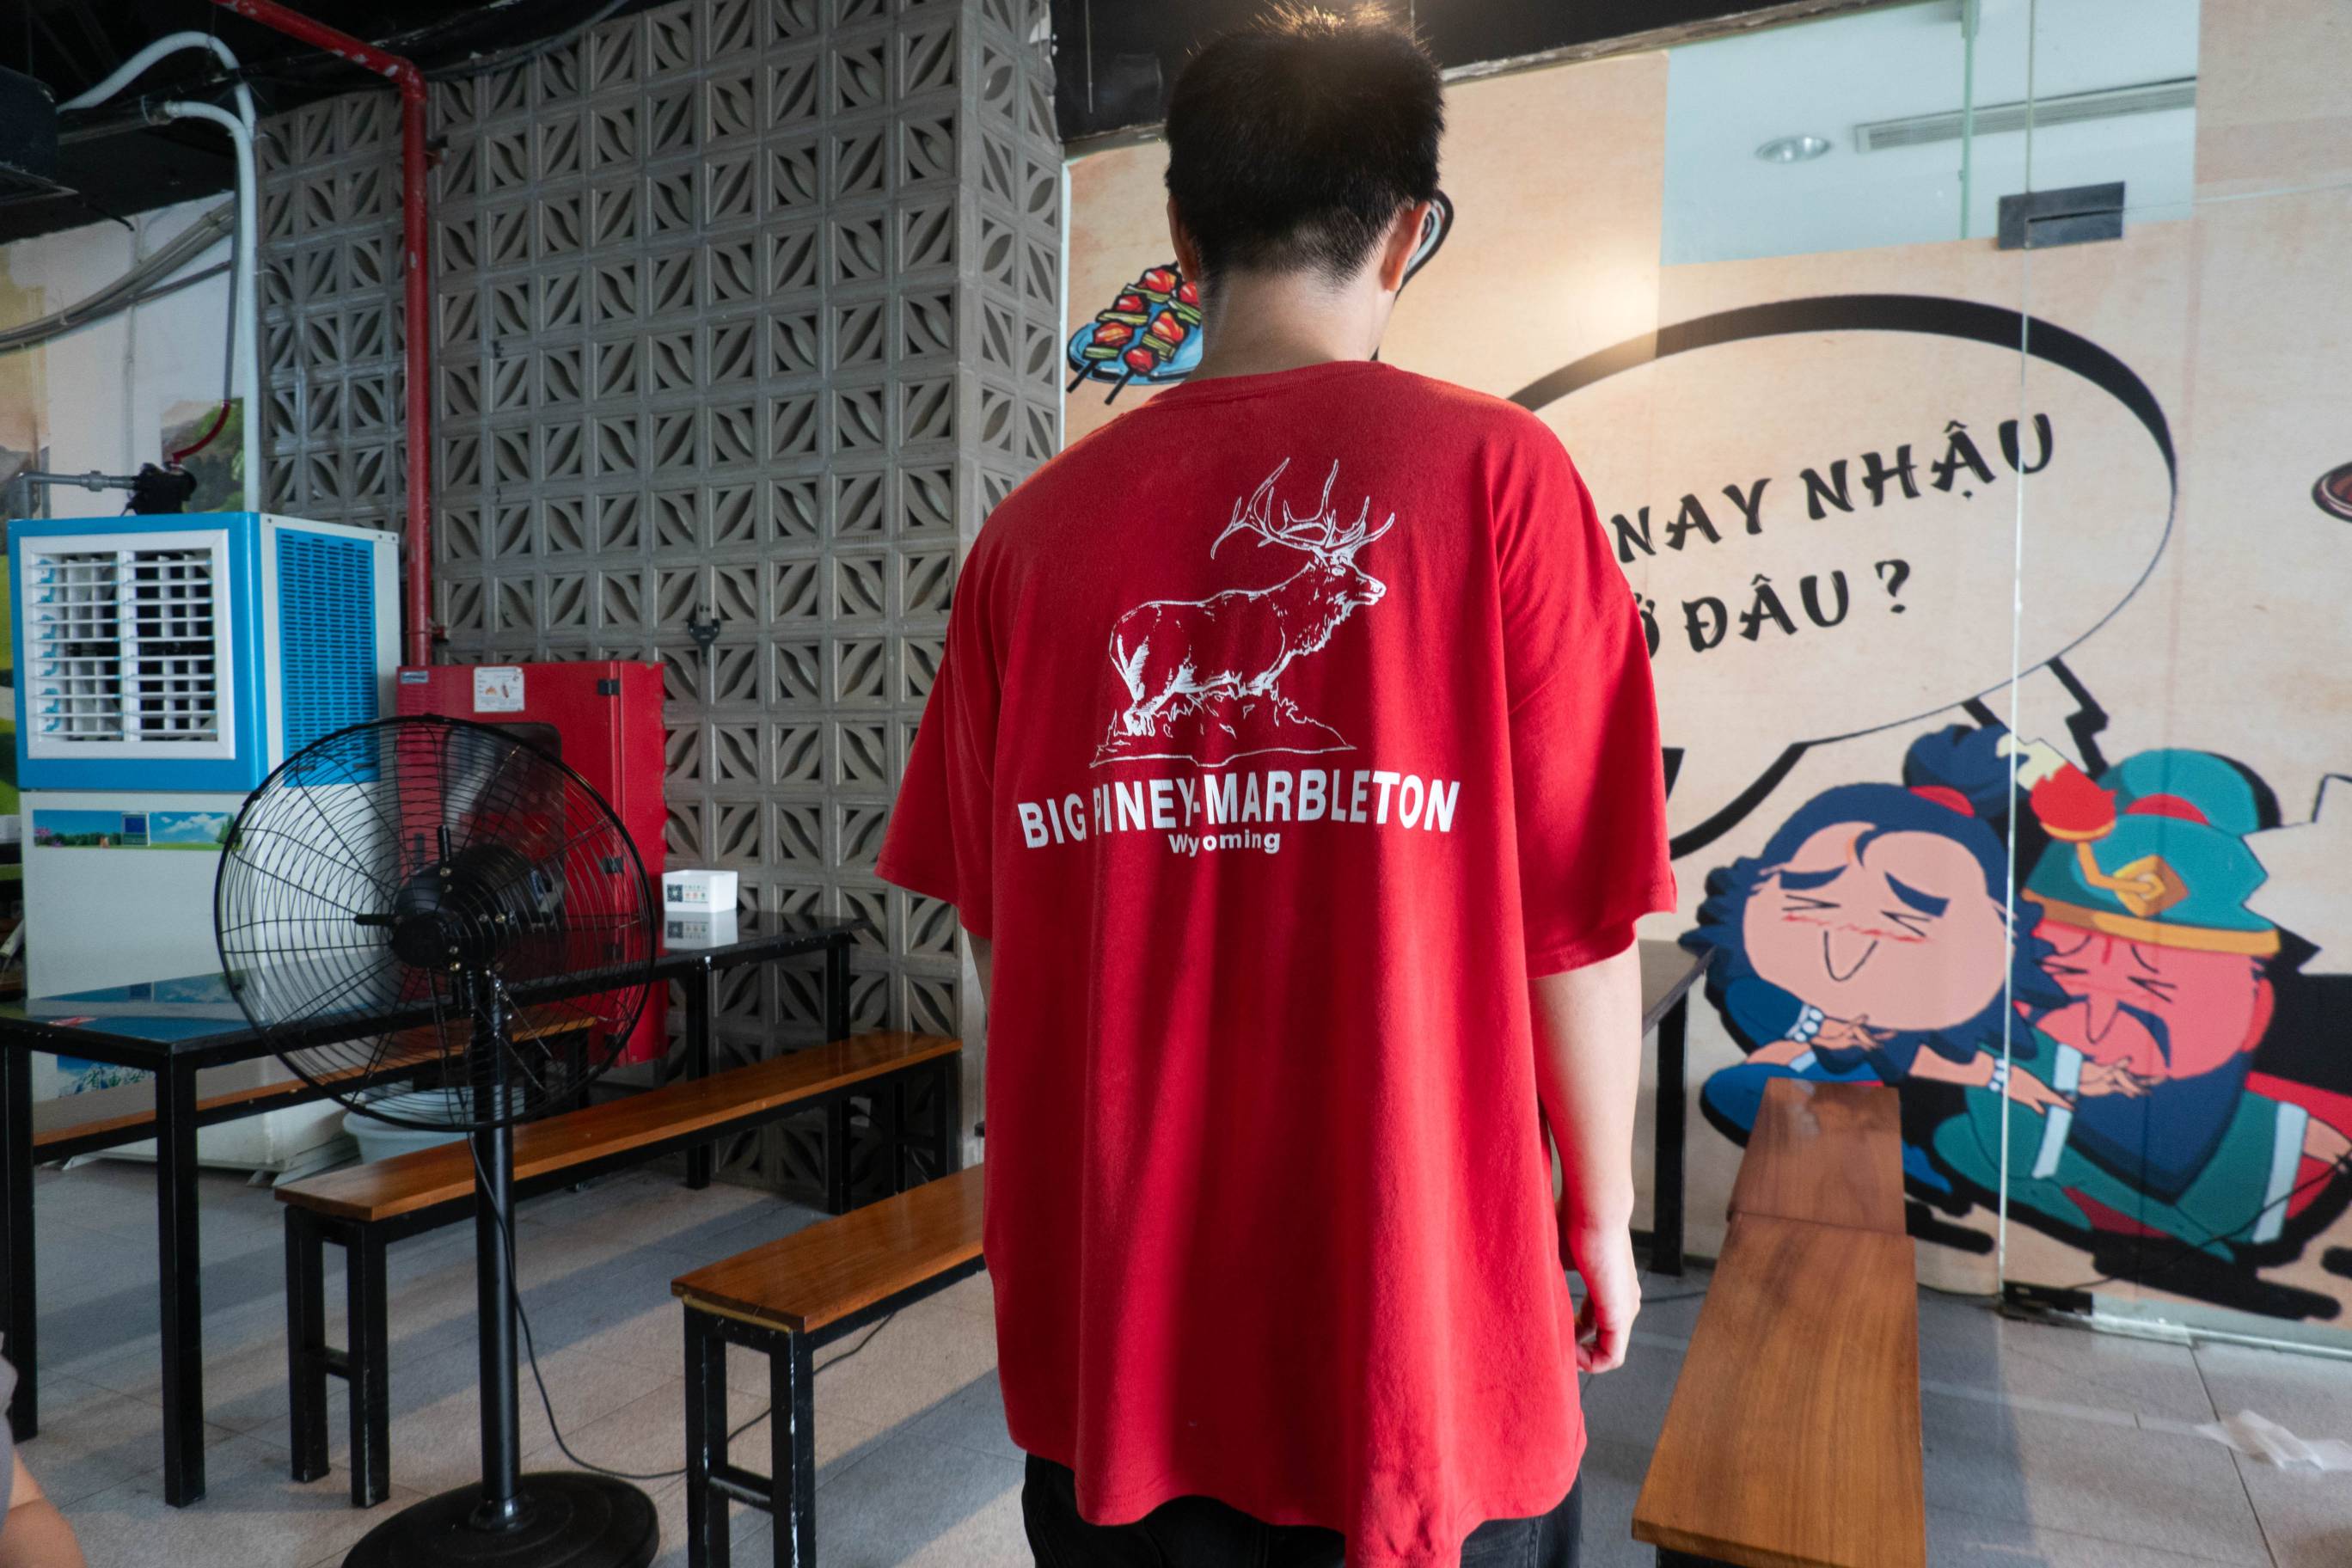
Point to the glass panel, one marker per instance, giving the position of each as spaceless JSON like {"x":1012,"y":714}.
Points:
{"x":1822,"y":527}
{"x":2195,"y":933}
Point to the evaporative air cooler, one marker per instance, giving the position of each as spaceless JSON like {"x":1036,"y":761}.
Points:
{"x":165,"y":665}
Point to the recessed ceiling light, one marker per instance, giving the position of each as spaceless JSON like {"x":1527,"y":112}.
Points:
{"x":1792,"y":148}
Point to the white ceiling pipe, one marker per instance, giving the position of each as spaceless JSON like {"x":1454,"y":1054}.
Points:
{"x":241,"y":132}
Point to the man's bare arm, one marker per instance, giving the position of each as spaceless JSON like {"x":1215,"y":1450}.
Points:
{"x":979,"y":950}
{"x":1587,"y":1028}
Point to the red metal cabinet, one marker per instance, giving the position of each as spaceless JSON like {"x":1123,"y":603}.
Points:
{"x":603,"y":718}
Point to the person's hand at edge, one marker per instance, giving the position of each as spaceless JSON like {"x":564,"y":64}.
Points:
{"x":1602,"y":1256}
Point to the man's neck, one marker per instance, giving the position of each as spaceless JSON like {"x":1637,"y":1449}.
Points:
{"x":1261,"y":321}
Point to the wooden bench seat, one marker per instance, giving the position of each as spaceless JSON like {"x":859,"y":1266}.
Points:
{"x":1793,"y":1437}
{"x":411,"y":1052}
{"x":364,"y":1208}
{"x":784,"y":1299}
{"x":1828,"y":1153}
{"x":431,"y":1178}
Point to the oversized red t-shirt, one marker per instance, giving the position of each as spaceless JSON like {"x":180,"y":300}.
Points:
{"x":1287,"y":725}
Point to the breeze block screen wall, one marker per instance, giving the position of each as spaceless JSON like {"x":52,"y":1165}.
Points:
{"x":745,"y":309}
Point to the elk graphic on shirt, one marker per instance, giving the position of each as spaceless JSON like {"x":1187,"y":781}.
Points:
{"x":1202,"y":676}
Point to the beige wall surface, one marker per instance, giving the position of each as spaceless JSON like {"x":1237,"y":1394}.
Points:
{"x":2177,"y":627}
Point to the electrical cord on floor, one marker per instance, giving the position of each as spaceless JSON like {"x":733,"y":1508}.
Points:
{"x":530,"y":1351}
{"x":2184,"y":1249}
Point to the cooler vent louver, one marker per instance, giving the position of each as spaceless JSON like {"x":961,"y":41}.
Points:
{"x":326,"y":631}
{"x":123,"y":645}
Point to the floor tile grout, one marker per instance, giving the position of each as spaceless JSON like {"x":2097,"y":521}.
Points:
{"x":2015,"y":1461}
{"x":2238,"y":1462}
{"x":2041,"y":1529}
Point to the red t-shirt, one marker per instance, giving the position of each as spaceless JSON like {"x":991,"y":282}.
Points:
{"x":1287,"y":725}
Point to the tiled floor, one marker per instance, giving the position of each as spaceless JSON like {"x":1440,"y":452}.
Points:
{"x":2045,"y":1446}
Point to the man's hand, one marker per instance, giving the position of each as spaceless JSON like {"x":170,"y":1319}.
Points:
{"x":1780,"y":1053}
{"x":2031,"y":1092}
{"x":1603,"y":1258}
{"x":1848,"y":1035}
{"x":2104,"y":1078}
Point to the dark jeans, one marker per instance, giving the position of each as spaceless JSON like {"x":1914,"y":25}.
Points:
{"x":1201,"y":1532}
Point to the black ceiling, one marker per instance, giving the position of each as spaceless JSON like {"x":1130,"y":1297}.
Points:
{"x":1112,"y":62}
{"x":69,"y":45}
{"x":1113,"y":59}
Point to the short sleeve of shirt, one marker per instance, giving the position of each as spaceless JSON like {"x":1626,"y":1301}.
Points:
{"x":939,"y":841}
{"x":1586,"y":771}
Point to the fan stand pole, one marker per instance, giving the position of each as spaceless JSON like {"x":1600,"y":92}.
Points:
{"x":502,"y":1504}
{"x":559,"y":1519}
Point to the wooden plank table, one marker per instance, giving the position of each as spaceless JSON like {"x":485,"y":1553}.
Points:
{"x":1787,"y":1174}
{"x":1793,"y":1438}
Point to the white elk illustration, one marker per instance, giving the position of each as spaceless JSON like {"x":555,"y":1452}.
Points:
{"x":1240,"y":641}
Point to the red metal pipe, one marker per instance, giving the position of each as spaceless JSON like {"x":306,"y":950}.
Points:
{"x":415,"y":240}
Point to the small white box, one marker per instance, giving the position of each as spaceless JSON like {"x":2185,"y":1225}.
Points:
{"x":715,"y":928}
{"x":697,"y":892}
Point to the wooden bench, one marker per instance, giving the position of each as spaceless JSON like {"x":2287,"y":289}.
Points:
{"x":1829,"y":1152}
{"x":70,"y":1138}
{"x":785,"y":1299}
{"x":364,"y":1209}
{"x":1793,"y":1437}
{"x":411,"y":1053}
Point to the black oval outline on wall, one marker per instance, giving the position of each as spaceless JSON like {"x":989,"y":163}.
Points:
{"x":1937,"y":316}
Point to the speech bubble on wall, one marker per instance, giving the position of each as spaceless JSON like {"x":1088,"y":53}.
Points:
{"x":2303,"y":888}
{"x":1822,"y":506}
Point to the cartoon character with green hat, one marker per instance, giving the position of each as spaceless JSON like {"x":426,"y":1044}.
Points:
{"x":2142,"y":895}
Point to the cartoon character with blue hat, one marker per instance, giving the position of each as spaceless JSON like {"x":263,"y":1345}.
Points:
{"x":2142,"y":898}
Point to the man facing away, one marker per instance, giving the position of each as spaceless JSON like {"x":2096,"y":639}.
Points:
{"x":1294,"y":768}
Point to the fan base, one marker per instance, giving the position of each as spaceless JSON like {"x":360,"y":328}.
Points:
{"x":569,"y":1521}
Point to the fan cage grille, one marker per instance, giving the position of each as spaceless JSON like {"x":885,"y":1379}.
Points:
{"x":393,"y":880}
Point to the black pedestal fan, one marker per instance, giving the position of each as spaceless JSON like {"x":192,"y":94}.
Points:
{"x":424,"y":896}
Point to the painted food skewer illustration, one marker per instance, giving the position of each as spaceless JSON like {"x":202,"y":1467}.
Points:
{"x":1150,"y":334}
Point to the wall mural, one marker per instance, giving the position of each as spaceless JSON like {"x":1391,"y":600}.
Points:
{"x":1151,"y":331}
{"x":2122,"y":1057}
{"x":2157,"y":1118}
{"x":2002,"y":703}
{"x":2154,"y":1116}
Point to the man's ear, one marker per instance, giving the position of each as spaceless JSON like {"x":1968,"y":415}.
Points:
{"x":1188,"y":255}
{"x":1403,"y":239}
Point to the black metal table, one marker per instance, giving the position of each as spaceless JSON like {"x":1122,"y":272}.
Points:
{"x":108,"y":1026}
{"x":1668,"y":972}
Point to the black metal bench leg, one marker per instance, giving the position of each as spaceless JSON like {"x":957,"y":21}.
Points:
{"x":17,"y":1297}
{"x":1666,"y":1183}
{"x":306,"y":1343}
{"x":369,"y":1378}
{"x":837,"y":987}
{"x":697,"y":987}
{"x":706,"y":1441}
{"x":179,"y":1262}
{"x":890,"y":1114}
{"x":792,"y":1436}
{"x":951,"y":1097}
{"x":837,"y":1156}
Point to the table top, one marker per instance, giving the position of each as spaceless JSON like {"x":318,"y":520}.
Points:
{"x":1668,"y":971}
{"x":198,"y":1017}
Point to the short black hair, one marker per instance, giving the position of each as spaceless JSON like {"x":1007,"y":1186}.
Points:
{"x":1292,"y":141}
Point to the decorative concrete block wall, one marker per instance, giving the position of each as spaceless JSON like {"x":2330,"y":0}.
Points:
{"x":744,"y":310}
